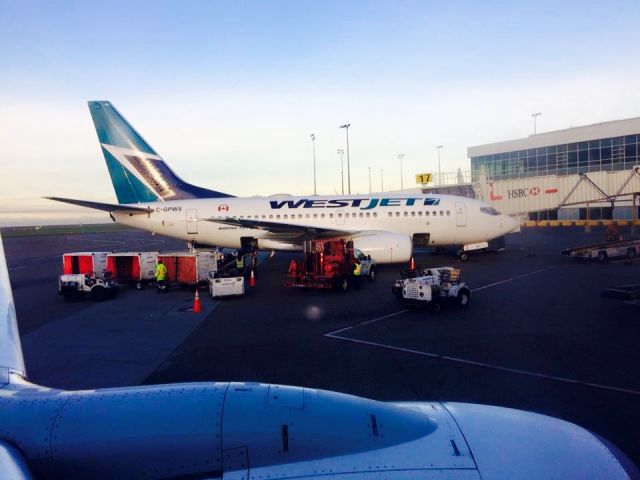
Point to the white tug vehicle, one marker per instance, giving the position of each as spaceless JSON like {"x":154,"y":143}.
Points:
{"x":431,"y":287}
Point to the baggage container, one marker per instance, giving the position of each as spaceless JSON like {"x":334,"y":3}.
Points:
{"x":133,"y":267}
{"x":94,"y":263}
{"x":189,"y":268}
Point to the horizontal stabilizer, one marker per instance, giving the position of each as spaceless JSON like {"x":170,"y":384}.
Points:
{"x":11,"y":360}
{"x":285,"y":231}
{"x":107,"y":207}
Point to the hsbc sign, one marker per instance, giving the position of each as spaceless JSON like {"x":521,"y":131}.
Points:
{"x":523,"y":192}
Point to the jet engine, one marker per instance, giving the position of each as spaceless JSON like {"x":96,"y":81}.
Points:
{"x":385,"y":247}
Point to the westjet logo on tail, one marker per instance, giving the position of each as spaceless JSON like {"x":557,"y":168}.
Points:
{"x":361,"y":203}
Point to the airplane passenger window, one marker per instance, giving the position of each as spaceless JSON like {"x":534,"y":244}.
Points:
{"x":270,"y":216}
{"x":278,"y":217}
{"x":299,"y":215}
{"x":361,"y":215}
{"x":331,"y":215}
{"x":406,"y":214}
{"x":322,"y":215}
{"x":346,"y":215}
{"x":426,"y":214}
{"x":441,"y":213}
{"x":397,"y":214}
{"x":391,"y":214}
{"x":375,"y":214}
{"x":419,"y":214}
{"x":339,"y":215}
{"x":315,"y":215}
{"x":286,"y":217}
{"x":448,"y":213}
{"x":308,"y":216}
{"x":264,"y":216}
{"x":368,"y":215}
{"x":413,"y":214}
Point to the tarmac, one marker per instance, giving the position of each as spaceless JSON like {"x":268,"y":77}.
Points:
{"x":537,"y":335}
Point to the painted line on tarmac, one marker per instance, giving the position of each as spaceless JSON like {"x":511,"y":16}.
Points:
{"x":518,"y":277}
{"x":356,"y":325}
{"x":488,"y":366}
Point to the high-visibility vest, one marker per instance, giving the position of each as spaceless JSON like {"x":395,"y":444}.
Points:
{"x":161,"y":272}
{"x":357,"y":269}
{"x":240,"y":262}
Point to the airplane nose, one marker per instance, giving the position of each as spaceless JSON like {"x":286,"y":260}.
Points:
{"x":509,"y":224}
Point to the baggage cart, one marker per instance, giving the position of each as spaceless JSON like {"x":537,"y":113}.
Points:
{"x":189,"y":268}
{"x":138,"y":268}
{"x":85,"y":273}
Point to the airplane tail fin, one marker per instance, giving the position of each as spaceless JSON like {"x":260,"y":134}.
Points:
{"x":137,"y":172}
{"x":11,"y":359}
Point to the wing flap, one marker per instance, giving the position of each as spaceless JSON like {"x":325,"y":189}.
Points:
{"x":107,"y":207}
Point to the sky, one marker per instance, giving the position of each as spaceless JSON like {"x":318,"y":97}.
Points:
{"x":229,"y":92}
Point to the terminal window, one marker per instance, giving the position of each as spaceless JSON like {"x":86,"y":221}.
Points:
{"x":604,"y":154}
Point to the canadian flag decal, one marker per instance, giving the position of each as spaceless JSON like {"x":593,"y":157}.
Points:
{"x":223,"y":208}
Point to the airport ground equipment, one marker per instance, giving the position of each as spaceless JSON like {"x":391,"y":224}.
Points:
{"x":328,"y":264}
{"x":434,"y":287}
{"x":77,"y":285}
{"x":396,"y":288}
{"x":495,"y":245}
{"x":138,"y":268}
{"x":628,"y":293}
{"x":93,"y":263}
{"x":226,"y":286}
{"x":604,"y":251}
{"x":85,"y":273}
{"x":189,"y":268}
{"x":228,"y":430}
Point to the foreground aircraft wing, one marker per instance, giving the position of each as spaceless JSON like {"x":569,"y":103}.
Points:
{"x":285,"y":231}
{"x":107,"y":207}
{"x":12,"y":463}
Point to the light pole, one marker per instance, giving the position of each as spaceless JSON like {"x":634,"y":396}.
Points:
{"x":438,"y":148}
{"x":341,"y":153}
{"x":535,"y":117}
{"x":381,"y":180}
{"x":346,"y":127}
{"x":369,"y":179}
{"x":313,"y":141}
{"x":400,"y":157}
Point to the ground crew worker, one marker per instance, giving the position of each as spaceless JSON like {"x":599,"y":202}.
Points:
{"x":248,"y":265}
{"x":355,"y":273}
{"x":161,"y":277}
{"x":240,"y":264}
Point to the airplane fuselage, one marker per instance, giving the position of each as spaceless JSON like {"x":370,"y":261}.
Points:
{"x":442,"y":219}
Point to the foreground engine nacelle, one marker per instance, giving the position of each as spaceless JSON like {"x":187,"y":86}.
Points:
{"x":385,"y":247}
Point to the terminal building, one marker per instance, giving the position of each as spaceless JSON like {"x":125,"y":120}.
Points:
{"x":580,"y":173}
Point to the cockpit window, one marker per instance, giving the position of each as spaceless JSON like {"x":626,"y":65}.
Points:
{"x":489,"y":211}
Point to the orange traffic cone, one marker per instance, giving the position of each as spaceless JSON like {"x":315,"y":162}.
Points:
{"x":197,"y":308}
{"x":252,"y":279}
{"x":412,"y":265}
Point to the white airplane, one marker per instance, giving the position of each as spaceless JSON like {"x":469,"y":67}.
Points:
{"x":386,"y":226}
{"x":241,"y":431}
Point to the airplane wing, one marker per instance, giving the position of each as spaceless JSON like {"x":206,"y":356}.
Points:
{"x":285,"y":231}
{"x":12,"y":463}
{"x":107,"y":207}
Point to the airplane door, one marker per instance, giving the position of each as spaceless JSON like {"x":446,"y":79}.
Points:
{"x":461,"y":214}
{"x":192,"y":221}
